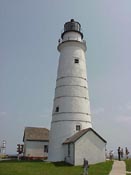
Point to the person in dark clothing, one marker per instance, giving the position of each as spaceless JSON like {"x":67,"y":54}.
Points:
{"x":85,"y":165}
{"x":126,"y":152}
{"x":119,"y":153}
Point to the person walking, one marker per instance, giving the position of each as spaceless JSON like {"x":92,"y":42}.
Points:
{"x":119,"y":153}
{"x":111,"y":154}
{"x":126,"y":152}
{"x":85,"y":165}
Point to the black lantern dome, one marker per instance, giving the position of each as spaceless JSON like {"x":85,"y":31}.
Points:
{"x":72,"y":26}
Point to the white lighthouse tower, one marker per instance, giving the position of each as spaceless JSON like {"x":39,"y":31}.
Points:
{"x":71,"y":109}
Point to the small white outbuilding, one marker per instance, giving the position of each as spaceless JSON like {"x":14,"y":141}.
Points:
{"x":36,"y":142}
{"x":86,"y":143}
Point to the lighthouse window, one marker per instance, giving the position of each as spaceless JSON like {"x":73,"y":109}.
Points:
{"x":78,"y":128}
{"x":57,"y":109}
{"x":76,"y":60}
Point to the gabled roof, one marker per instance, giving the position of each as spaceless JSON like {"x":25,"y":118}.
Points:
{"x":36,"y":134}
{"x":79,"y":134}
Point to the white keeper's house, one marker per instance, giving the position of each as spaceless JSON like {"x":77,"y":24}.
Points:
{"x":36,"y":142}
{"x":84,"y":144}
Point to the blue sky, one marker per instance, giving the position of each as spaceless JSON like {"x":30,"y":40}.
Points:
{"x":29,"y":33}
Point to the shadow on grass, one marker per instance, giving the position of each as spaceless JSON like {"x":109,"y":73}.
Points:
{"x":57,"y":164}
{"x":19,"y":161}
{"x":61,"y":164}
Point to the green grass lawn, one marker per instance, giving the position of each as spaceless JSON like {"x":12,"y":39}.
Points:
{"x":101,"y":168}
{"x":45,"y":168}
{"x":128,"y":164}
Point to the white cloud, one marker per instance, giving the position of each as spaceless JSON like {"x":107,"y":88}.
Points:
{"x":123,"y":119}
{"x":98,"y":111}
{"x":124,"y":115}
{"x":125,"y":108}
{"x":2,"y":114}
{"x":128,"y":106}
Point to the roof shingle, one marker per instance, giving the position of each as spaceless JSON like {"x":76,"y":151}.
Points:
{"x":79,"y":134}
{"x":38,"y":134}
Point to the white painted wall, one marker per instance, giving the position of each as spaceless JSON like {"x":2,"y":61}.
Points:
{"x":71,"y":81}
{"x":69,"y":158}
{"x":72,"y":36}
{"x":91,"y":147}
{"x":35,"y":148}
{"x":69,"y":52}
{"x":74,"y":90}
{"x":61,"y":131}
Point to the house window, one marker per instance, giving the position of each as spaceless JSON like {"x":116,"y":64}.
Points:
{"x":57,"y":109}
{"x":78,"y":128}
{"x":76,"y":60}
{"x":45,"y":148}
{"x":68,"y":150}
